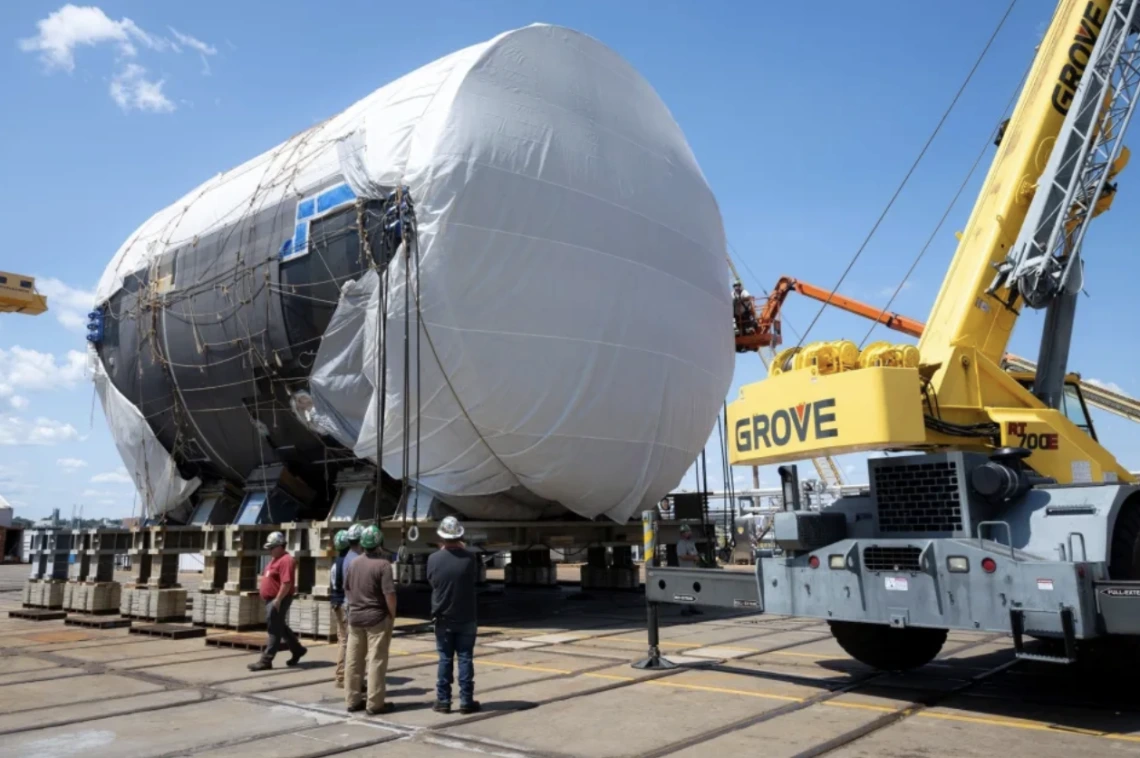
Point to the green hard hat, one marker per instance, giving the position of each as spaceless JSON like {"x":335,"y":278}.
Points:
{"x":340,"y":541}
{"x":372,"y":538}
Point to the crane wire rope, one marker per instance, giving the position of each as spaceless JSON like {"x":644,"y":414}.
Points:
{"x":949,"y":208}
{"x":910,"y":171}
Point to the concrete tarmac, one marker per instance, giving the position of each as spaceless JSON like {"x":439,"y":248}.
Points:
{"x":553,"y":674}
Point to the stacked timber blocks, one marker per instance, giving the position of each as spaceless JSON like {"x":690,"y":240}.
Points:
{"x":92,"y":597}
{"x":610,"y":569}
{"x":154,"y":604}
{"x":44,"y":593}
{"x":229,"y":610}
{"x":312,"y":617}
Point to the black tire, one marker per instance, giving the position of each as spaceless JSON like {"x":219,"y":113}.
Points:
{"x":886,"y":647}
{"x":1124,"y":561}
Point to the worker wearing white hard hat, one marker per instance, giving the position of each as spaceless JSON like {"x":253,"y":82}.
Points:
{"x":453,"y":572}
{"x":277,"y":586}
{"x":450,"y":529}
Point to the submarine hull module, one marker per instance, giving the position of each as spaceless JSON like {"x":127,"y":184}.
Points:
{"x":508,"y":262}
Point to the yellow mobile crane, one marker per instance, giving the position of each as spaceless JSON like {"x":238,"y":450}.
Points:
{"x":1004,"y":515}
{"x":18,"y":295}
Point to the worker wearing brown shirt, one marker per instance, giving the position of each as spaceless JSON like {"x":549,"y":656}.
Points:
{"x":370,"y":593}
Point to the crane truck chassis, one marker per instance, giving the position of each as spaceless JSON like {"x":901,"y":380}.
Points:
{"x":994,"y":511}
{"x":890,"y":589}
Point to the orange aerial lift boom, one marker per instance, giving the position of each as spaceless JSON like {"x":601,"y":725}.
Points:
{"x":765,"y":331}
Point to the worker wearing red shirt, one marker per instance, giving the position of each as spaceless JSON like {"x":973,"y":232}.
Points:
{"x":277,"y":589}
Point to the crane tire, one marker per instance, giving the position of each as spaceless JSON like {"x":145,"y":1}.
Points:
{"x":1124,"y":560}
{"x":886,"y":647}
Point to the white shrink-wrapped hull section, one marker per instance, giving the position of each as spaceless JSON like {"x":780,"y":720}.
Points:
{"x":513,"y":246}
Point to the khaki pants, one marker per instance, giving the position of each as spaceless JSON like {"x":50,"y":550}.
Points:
{"x":371,"y":642}
{"x":341,"y":641}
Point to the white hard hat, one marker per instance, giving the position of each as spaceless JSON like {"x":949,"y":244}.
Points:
{"x":355,"y":532}
{"x":450,"y":529}
{"x":275,"y":539}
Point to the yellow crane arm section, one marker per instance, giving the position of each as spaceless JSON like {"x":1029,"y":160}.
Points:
{"x":18,"y":295}
{"x":964,"y":315}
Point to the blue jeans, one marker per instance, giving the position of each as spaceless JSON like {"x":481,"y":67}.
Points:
{"x":451,"y":641}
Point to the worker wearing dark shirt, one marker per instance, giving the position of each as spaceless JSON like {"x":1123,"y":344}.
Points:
{"x":452,"y":572}
{"x":370,"y":593}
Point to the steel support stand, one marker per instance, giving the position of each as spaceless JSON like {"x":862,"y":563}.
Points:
{"x":653,"y":660}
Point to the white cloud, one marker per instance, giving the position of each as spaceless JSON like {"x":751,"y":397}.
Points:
{"x":71,"y":464}
{"x":130,"y":88}
{"x":43,"y":431}
{"x":1110,"y":386}
{"x":119,"y":476}
{"x":18,"y":401}
{"x":198,"y":45}
{"x":70,"y":305}
{"x":71,"y":27}
{"x":99,"y":493}
{"x":21,"y":368}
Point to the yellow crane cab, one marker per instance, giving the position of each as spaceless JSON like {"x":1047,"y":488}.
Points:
{"x":1073,"y":404}
{"x":18,"y":295}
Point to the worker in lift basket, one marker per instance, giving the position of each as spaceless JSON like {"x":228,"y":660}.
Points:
{"x":336,"y":602}
{"x":688,"y":557}
{"x":370,"y":592}
{"x":742,"y":309}
{"x":277,"y":587}
{"x":453,"y":572}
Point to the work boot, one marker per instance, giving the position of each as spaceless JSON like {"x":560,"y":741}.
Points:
{"x":469,"y":708}
{"x":441,"y":707}
{"x":260,"y":666}
{"x":354,"y":708}
{"x":297,"y":657}
{"x":386,"y":708}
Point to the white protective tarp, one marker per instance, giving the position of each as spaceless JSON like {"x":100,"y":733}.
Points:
{"x":150,"y":466}
{"x":576,"y":338}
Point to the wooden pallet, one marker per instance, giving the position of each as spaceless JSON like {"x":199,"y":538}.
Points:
{"x":169,"y":631}
{"x":152,"y":620}
{"x":93,"y":621}
{"x":38,"y":614}
{"x":315,"y":637}
{"x":236,"y":629}
{"x":240,"y":641}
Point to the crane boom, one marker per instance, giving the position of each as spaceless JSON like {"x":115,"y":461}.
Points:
{"x":1043,"y":267}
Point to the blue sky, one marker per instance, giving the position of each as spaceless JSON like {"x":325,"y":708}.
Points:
{"x":802,"y":124}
